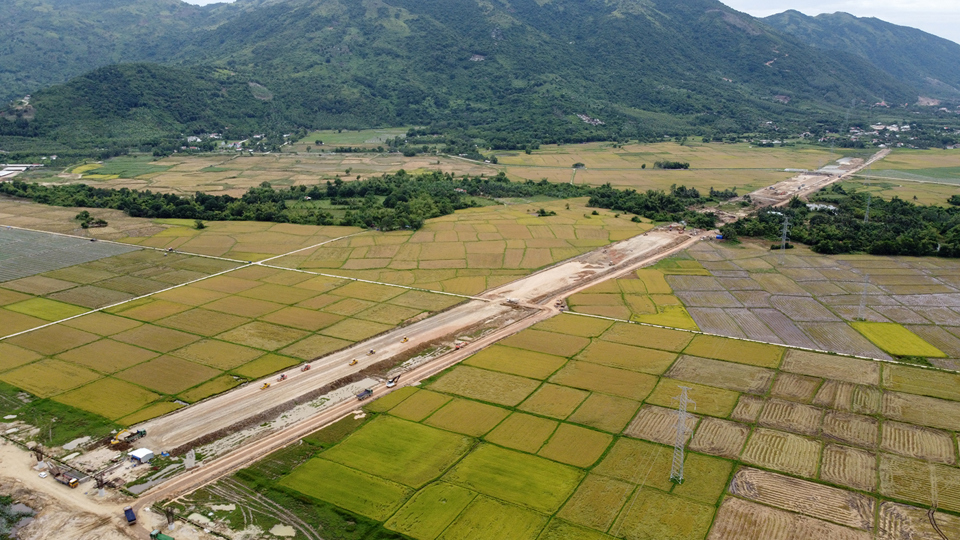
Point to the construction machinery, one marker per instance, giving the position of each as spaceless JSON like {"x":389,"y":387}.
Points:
{"x":265,"y":386}
{"x":393,"y":382}
{"x":63,"y":477}
{"x":405,"y":339}
{"x":130,"y":515}
{"x":282,"y":378}
{"x":306,"y":367}
{"x":365,"y":394}
{"x":353,"y":362}
{"x":127,"y":436}
{"x":371,"y":352}
{"x":157,"y":535}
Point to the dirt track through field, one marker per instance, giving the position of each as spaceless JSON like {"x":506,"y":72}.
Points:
{"x":780,"y":194}
{"x":553,"y":283}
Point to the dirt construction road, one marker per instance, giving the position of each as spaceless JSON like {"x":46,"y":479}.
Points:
{"x":191,"y":423}
{"x":803,"y":185}
{"x":565,"y":278}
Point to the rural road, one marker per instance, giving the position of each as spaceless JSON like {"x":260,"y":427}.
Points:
{"x":564,"y":279}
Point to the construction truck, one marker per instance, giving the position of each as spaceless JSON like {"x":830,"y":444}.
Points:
{"x":126,"y":436}
{"x":157,"y":535}
{"x":63,"y":477}
{"x":130,"y":515}
{"x":365,"y":394}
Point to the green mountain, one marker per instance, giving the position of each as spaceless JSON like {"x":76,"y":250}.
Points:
{"x":45,"y":42}
{"x":922,"y":60}
{"x":506,"y":72}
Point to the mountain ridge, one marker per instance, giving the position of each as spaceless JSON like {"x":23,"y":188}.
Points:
{"x":930,"y":62}
{"x":508,"y":73}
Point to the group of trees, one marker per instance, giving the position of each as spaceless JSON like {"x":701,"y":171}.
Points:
{"x":672,"y":165}
{"x":389,"y":202}
{"x":894,"y":227}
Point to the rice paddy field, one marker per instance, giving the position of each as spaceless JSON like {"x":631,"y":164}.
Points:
{"x":233,"y":174}
{"x":921,"y":165}
{"x":472,"y":250}
{"x":154,"y":353}
{"x":531,"y":439}
{"x":872,"y":306}
{"x":717,"y":165}
{"x":721,"y":166}
{"x":174,"y":315}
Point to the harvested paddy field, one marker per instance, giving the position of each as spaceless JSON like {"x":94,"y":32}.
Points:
{"x":809,"y":300}
{"x":779,"y":442}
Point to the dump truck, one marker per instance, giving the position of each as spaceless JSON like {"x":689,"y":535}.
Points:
{"x":130,"y":515}
{"x":365,"y":394}
{"x":66,"y":480}
{"x":157,"y":535}
{"x":63,"y":477}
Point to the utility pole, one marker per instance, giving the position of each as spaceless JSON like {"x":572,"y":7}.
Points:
{"x":676,"y":471}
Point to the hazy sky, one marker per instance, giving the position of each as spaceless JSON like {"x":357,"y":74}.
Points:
{"x":940,"y":17}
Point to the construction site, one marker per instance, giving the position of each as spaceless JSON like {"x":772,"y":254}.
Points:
{"x":496,"y":374}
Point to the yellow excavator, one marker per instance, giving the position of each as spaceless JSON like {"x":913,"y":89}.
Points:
{"x":125,"y":436}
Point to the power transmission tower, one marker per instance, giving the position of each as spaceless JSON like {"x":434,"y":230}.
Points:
{"x":783,"y":239}
{"x":676,"y":471}
{"x":866,"y":276}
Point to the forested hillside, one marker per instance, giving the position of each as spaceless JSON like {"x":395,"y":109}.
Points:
{"x":45,"y":42}
{"x":928,"y":62}
{"x":504,"y":75}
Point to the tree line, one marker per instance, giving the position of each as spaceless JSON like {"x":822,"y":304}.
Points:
{"x":389,"y":202}
{"x":837,"y":222}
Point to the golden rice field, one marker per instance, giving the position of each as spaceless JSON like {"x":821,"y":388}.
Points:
{"x":473,"y":250}
{"x":233,"y":174}
{"x":138,"y":359}
{"x":644,"y":297}
{"x":573,"y":428}
{"x":715,"y":165}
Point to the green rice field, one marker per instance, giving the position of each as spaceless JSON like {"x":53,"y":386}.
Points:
{"x":574,"y":454}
